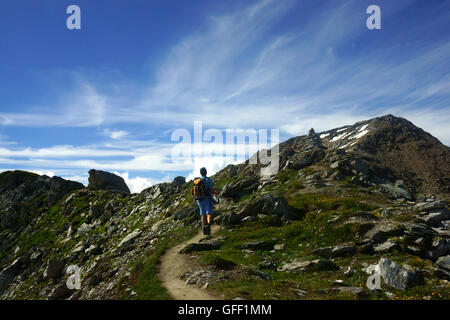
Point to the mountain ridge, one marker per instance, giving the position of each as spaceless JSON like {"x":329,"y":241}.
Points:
{"x":342,"y":198}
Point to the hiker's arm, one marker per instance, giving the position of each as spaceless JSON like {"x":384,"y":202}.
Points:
{"x":214,"y":191}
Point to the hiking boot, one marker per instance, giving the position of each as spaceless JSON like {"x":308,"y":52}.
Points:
{"x":205,"y":232}
{"x":208,"y":229}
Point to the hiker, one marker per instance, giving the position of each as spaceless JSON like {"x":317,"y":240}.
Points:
{"x":203,"y":191}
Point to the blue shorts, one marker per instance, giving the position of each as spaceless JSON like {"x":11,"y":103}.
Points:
{"x":206,"y":206}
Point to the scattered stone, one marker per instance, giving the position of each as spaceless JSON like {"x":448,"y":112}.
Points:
{"x":249,"y":219}
{"x":93,"y":250}
{"x":386,"y":247}
{"x":257,"y":245}
{"x":129,"y":239}
{"x":297,"y":266}
{"x":60,"y":292}
{"x":434,"y":219}
{"x":395,"y":192}
{"x":200,"y":246}
{"x":84,"y":228}
{"x":439,"y":248}
{"x":95,"y":211}
{"x":266,"y":264}
{"x":443,"y":267}
{"x":395,"y":275}
{"x":432,"y":205}
{"x":54,"y":269}
{"x":336,"y":251}
{"x":357,"y":291}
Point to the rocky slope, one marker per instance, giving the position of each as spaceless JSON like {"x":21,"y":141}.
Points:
{"x":372,"y":193}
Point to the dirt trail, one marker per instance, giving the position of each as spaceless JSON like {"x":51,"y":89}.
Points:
{"x":173,"y":265}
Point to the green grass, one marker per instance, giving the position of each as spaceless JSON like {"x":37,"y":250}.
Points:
{"x":145,"y":281}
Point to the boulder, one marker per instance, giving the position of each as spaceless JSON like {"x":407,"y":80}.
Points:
{"x":439,"y":248}
{"x":84,"y":228}
{"x":382,"y":232}
{"x":297,"y":266}
{"x":336,"y":251}
{"x":102,"y":180}
{"x":395,"y":275}
{"x":184,"y":213}
{"x":200,"y":246}
{"x":95,"y":211}
{"x":7,"y":275}
{"x":395,"y":192}
{"x":60,"y":292}
{"x":256,"y":245}
{"x":431,"y":205}
{"x":270,"y":205}
{"x":386,"y":247}
{"x":302,"y":163}
{"x":239,"y":188}
{"x":129,"y":239}
{"x":54,"y":269}
{"x":179,"y":180}
{"x":443,"y":267}
{"x":434,"y":219}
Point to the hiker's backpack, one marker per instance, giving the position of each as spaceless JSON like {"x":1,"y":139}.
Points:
{"x":198,"y":191}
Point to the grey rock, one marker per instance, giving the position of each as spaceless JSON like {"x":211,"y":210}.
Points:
{"x":102,"y":180}
{"x":439,"y":248}
{"x":420,"y":230}
{"x":302,"y":163}
{"x":179,"y":180}
{"x":266,"y":264}
{"x":54,"y":269}
{"x":259,"y":274}
{"x":434,"y":219}
{"x":7,"y":275}
{"x":240,"y":188}
{"x":357,"y":291}
{"x":396,"y":275}
{"x":270,"y":205}
{"x":93,"y":250}
{"x":336,"y":251}
{"x":256,"y":245}
{"x":395,"y":192}
{"x":444,"y":262}
{"x":95,"y":211}
{"x":60,"y":292}
{"x":36,"y":257}
{"x":84,"y":228}
{"x":432,"y":205}
{"x":386,"y":247}
{"x":200,"y":246}
{"x":383,"y":232}
{"x":443,"y":267}
{"x":129,"y":239}
{"x":249,"y":219}
{"x":297,"y":266}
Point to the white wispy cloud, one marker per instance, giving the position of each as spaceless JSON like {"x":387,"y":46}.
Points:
{"x":237,"y":72}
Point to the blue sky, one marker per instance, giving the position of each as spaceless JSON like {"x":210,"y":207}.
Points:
{"x":109,"y":96}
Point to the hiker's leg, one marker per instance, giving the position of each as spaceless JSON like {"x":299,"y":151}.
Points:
{"x":209,"y":211}
{"x":201,"y":207}
{"x":204,"y":220}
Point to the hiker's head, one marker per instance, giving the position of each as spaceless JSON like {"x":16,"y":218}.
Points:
{"x":203,"y":172}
